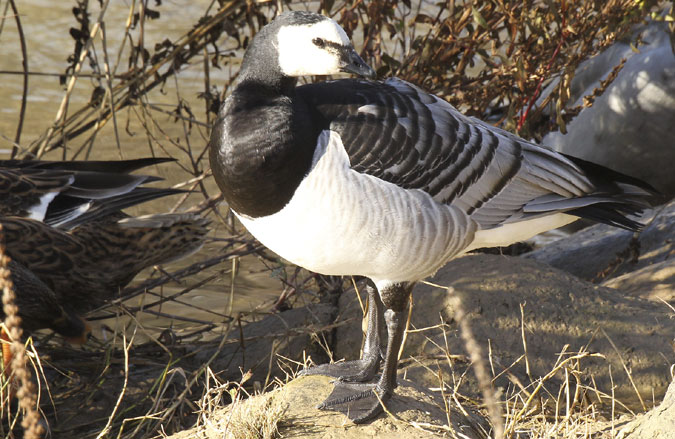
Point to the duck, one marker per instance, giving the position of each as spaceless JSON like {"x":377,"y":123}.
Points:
{"x":59,"y":192}
{"x":58,"y":276}
{"x":90,"y":264}
{"x":40,"y":307}
{"x":381,"y":179}
{"x":72,"y":248}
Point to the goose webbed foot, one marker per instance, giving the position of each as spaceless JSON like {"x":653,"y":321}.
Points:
{"x":360,"y":402}
{"x":348,"y":371}
{"x":367,"y":367}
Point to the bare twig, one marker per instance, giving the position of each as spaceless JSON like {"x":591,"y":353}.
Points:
{"x":479,"y":367}
{"x":24,"y":65}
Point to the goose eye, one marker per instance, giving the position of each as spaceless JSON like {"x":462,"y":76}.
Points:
{"x":319,"y":42}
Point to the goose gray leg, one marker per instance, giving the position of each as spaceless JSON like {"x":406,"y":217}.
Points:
{"x":362,"y":402}
{"x":366,"y":368}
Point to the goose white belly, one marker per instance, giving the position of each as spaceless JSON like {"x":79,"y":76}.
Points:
{"x":343,"y":222}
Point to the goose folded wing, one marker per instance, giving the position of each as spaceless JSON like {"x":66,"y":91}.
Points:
{"x":401,"y":134}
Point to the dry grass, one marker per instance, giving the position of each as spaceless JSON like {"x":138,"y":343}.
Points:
{"x":564,"y":403}
{"x":256,"y":418}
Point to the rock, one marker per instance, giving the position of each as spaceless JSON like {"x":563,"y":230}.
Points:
{"x":559,"y":310}
{"x":603,"y":252}
{"x":654,"y":282}
{"x":629,"y":128}
{"x":419,"y":414}
{"x":586,"y":253}
{"x":658,"y":423}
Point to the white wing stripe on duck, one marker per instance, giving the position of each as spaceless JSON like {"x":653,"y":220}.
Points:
{"x":383,"y":180}
{"x":63,"y":193}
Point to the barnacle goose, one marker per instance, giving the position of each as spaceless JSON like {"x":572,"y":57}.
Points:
{"x":383,"y":180}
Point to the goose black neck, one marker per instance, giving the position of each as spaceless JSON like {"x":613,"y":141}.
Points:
{"x":270,"y":84}
{"x":260,"y":65}
{"x":263,"y":142}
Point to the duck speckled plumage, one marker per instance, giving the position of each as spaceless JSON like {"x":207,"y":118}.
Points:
{"x":40,"y":307}
{"x":91,"y":249}
{"x":91,"y":263}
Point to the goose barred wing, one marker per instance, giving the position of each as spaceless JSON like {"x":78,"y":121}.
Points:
{"x":401,"y":134}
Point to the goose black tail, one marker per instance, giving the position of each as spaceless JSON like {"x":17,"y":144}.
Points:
{"x":625,"y":198}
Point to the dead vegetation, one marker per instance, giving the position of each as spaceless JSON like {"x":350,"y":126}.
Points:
{"x":490,"y":58}
{"x":563,"y":403}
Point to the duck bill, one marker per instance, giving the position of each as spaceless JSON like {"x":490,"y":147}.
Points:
{"x":353,"y":63}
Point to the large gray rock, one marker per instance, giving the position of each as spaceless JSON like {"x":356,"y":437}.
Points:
{"x":631,"y":127}
{"x":644,"y":265}
{"x":654,"y":282}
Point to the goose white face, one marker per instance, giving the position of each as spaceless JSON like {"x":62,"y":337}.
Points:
{"x":321,"y":48}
